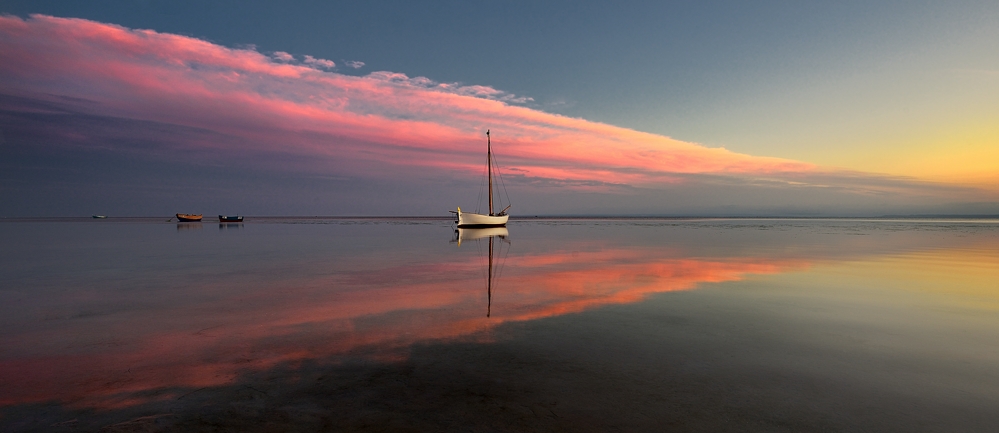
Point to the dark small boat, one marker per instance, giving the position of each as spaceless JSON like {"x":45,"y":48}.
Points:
{"x":186,"y":217}
{"x":230,"y":219}
{"x":100,"y":217}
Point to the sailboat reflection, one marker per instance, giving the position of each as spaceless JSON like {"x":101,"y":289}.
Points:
{"x":464,"y":234}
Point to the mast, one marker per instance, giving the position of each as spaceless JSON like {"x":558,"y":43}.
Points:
{"x":489,"y":165}
{"x":489,"y":286}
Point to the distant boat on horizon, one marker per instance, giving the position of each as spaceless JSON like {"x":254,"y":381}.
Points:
{"x":186,"y":217}
{"x":230,"y":218}
{"x":99,"y":216}
{"x":469,"y":219}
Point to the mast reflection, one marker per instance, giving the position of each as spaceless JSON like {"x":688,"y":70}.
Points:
{"x":467,"y":234}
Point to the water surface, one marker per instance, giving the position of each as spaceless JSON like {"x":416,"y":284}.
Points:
{"x":586,"y":325}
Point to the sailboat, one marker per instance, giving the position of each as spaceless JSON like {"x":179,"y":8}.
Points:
{"x":469,"y":219}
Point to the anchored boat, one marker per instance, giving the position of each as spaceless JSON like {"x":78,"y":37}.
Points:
{"x":186,"y":217}
{"x":471,"y":220}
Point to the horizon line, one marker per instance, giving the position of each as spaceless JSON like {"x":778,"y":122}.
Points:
{"x":540,"y":216}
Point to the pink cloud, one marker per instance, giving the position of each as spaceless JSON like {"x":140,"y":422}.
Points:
{"x":303,"y":117}
{"x":320,"y":63}
{"x":283,"y":56}
{"x":278,"y":106}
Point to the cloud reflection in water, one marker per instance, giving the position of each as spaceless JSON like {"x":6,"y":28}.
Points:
{"x":159,"y":324}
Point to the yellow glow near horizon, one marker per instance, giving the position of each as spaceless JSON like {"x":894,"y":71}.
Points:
{"x":959,"y":154}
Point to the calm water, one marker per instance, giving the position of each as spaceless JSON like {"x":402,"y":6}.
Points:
{"x":586,"y":325}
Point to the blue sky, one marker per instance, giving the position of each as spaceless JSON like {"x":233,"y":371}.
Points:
{"x":906,"y":90}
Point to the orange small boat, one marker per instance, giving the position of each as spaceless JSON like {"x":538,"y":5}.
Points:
{"x":186,"y":217}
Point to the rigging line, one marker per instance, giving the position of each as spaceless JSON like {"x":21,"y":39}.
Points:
{"x":495,"y":169}
{"x":497,"y":195}
{"x":503,"y":256}
{"x":478,"y":201}
{"x":503,"y":184}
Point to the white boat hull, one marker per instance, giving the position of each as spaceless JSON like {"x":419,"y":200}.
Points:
{"x":468,"y":219}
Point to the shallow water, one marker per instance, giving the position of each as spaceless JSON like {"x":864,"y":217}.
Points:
{"x":586,"y":325}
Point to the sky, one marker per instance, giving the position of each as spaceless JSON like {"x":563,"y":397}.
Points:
{"x":144,"y":108}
